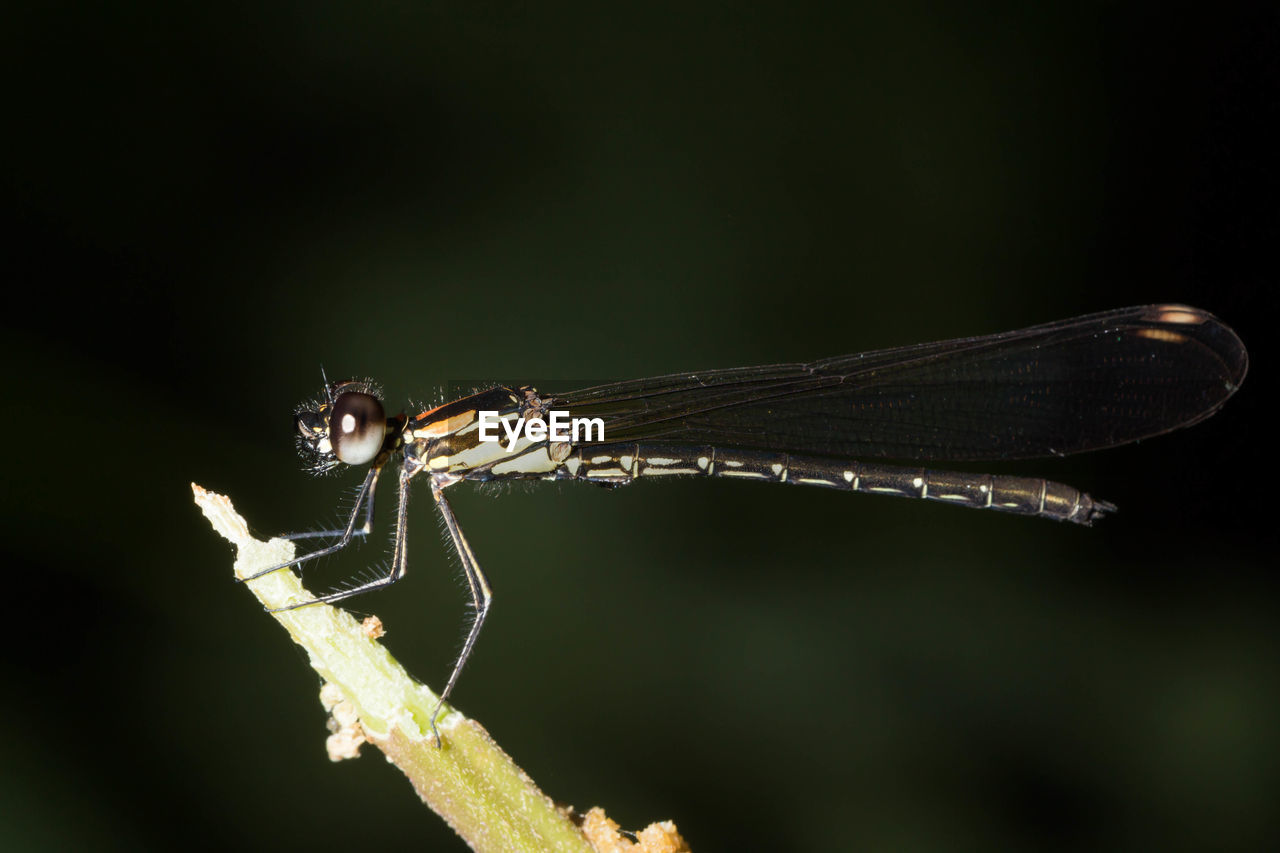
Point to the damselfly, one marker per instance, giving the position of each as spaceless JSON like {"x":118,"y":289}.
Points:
{"x":1067,"y":387}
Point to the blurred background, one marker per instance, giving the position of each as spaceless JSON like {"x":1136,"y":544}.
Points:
{"x":207,"y":202}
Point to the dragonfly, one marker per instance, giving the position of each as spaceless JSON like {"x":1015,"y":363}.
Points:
{"x":856,"y":423}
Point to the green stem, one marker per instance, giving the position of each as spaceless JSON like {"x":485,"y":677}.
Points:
{"x":469,"y":781}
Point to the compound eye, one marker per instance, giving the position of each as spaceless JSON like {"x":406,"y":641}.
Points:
{"x":308,"y":423}
{"x":357,"y":427}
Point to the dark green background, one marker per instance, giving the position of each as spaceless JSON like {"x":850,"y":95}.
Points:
{"x":207,"y":203}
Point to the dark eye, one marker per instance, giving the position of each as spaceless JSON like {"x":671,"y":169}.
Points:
{"x":357,"y":427}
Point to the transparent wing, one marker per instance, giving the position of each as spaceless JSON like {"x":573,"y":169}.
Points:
{"x":1066,"y":387}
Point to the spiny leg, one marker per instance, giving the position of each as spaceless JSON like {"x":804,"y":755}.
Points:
{"x":481,"y":594}
{"x":398,"y":559}
{"x":365,"y":494}
{"x":366,"y":489}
